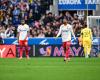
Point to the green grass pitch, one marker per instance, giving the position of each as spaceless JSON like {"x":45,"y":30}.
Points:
{"x":46,"y":68}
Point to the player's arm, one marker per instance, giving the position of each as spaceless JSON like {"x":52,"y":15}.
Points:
{"x":27,"y":35}
{"x":27,"y":32}
{"x":18,"y":35}
{"x":59,"y":33}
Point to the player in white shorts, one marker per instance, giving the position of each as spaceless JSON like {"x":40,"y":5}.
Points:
{"x":23,"y":31}
{"x":65,"y":31}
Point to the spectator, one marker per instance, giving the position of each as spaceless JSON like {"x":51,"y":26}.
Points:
{"x":41,"y":34}
{"x":9,"y":32}
{"x":77,"y":29}
{"x":30,"y":18}
{"x":41,"y":24}
{"x":16,"y":21}
{"x":23,"y":6}
{"x":16,"y":11}
{"x":95,"y":31}
{"x":2,"y":32}
{"x":9,"y":12}
{"x":68,"y":17}
{"x":6,"y":20}
{"x":49,"y":18}
{"x":4,"y":7}
{"x":49,"y":32}
{"x":1,"y":16}
{"x":14,"y":2}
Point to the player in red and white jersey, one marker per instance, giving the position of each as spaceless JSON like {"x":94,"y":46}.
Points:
{"x":23,"y":31}
{"x":65,"y":31}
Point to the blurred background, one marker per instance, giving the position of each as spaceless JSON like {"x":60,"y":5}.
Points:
{"x":44,"y":17}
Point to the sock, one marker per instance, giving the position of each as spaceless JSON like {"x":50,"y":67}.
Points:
{"x":86,"y":56}
{"x":21,"y":51}
{"x":65,"y":58}
{"x":67,"y":53}
{"x":26,"y":50}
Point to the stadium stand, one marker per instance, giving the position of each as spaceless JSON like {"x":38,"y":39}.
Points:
{"x":41,"y":24}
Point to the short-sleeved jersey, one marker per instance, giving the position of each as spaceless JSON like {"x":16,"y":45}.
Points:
{"x":66,"y":31}
{"x":86,"y":33}
{"x":23,"y":31}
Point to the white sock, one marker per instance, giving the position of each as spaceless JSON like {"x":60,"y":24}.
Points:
{"x":86,"y":56}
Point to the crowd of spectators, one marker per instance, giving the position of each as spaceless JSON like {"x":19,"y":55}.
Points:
{"x":41,"y":24}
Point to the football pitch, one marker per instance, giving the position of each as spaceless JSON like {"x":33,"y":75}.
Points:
{"x":47,"y":68}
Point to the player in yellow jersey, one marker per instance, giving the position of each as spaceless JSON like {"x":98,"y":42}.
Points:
{"x":86,"y":40}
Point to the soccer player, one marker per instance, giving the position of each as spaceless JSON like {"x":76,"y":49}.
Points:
{"x":23,"y":31}
{"x":65,"y":31}
{"x":86,"y":40}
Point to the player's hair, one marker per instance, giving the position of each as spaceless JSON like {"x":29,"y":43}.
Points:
{"x":64,"y":20}
{"x":22,"y":21}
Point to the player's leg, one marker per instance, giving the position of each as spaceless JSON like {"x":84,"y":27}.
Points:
{"x":21,"y":49}
{"x":68,"y":49}
{"x":86,"y":51}
{"x":85,"y":48}
{"x":86,"y":54}
{"x":26,"y":49}
{"x":89,"y":48}
{"x":64,"y":47}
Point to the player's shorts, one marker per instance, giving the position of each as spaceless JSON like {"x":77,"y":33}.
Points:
{"x":23,"y":42}
{"x":87,"y":43}
{"x":66,"y":44}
